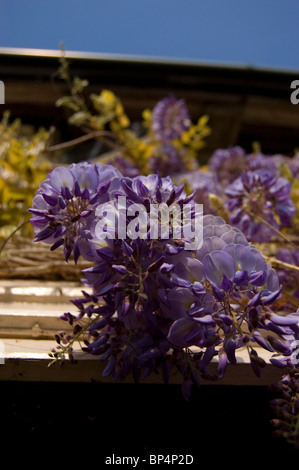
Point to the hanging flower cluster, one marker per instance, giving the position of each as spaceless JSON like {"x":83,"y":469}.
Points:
{"x":155,"y":305}
{"x":259,"y":201}
{"x":258,"y":193}
{"x":65,"y":203}
{"x":153,"y":300}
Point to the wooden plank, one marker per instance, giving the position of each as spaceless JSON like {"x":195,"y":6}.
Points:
{"x":29,"y":320}
{"x":28,"y":360}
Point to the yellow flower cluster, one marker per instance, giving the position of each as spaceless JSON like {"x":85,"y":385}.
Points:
{"x":21,"y":171}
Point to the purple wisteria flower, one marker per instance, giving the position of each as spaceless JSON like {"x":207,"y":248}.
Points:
{"x":201,"y":184}
{"x":63,"y":206}
{"x":258,"y":196}
{"x":260,"y":161}
{"x":122,"y":164}
{"x":154,"y":189}
{"x":168,"y":160}
{"x":155,"y":305}
{"x":170,"y":118}
{"x":233,"y":292}
{"x":228,"y":164}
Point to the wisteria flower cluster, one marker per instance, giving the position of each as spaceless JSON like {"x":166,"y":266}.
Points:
{"x":259,"y":195}
{"x":256,"y":191}
{"x":149,"y":304}
{"x":152,"y":304}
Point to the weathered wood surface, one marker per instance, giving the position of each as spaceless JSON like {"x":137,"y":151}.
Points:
{"x":29,"y":320}
{"x":28,"y":360}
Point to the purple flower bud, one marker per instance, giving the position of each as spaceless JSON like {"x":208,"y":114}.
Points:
{"x":230,"y":349}
{"x":258,"y":279}
{"x":67,"y":193}
{"x":222,"y":364}
{"x":170,"y":119}
{"x":218,"y":293}
{"x":51,"y":200}
{"x":258,"y":361}
{"x":285,"y":320}
{"x":279,"y":346}
{"x":156,"y":264}
{"x":226,"y":284}
{"x":77,"y":190}
{"x":241,"y":278}
{"x":44,"y":234}
{"x":119,"y":268}
{"x":179,"y":281}
{"x":62,"y":202}
{"x":268,"y":298}
{"x":109,"y":367}
{"x":166,"y":268}
{"x":85,"y":194}
{"x":57,"y":244}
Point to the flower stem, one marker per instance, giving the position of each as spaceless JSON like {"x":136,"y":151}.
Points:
{"x":280,"y":234}
{"x":80,"y":140}
{"x":12,"y":234}
{"x":72,"y":341}
{"x":276,"y":263}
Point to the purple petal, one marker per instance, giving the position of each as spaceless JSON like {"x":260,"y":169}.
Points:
{"x":291,"y":319}
{"x":61,"y":177}
{"x":219,"y":294}
{"x":178,"y":332}
{"x":241,"y":278}
{"x":179,"y":281}
{"x":279,"y":346}
{"x":166,"y":268}
{"x":258,"y":279}
{"x":173,"y":250}
{"x":206,"y":320}
{"x":281,"y":363}
{"x":47,"y":232}
{"x":230,"y":349}
{"x":270,"y":297}
{"x":156,"y":264}
{"x":262,"y":341}
{"x":209,"y":353}
{"x":216,"y":264}
{"x":226,"y":284}
{"x":57,"y":244}
{"x":119,"y":268}
{"x":209,"y":244}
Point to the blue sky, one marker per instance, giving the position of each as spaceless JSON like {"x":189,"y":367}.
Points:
{"x":260,"y":33}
